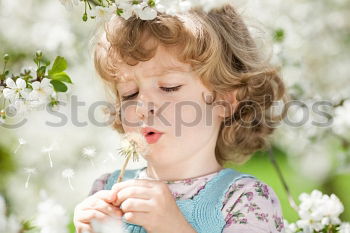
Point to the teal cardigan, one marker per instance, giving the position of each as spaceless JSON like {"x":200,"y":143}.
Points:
{"x":203,"y":211}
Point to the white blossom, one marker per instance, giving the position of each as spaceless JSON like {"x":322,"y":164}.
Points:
{"x":103,"y":13}
{"x":14,"y":90}
{"x":13,"y":225}
{"x":317,"y":210}
{"x":69,"y":4}
{"x":341,"y":123}
{"x":41,"y":91}
{"x":147,"y":13}
{"x":20,"y":106}
{"x":7,"y":224}
{"x":52,"y":217}
{"x":344,"y":227}
{"x":3,"y":220}
{"x":171,"y":7}
{"x":289,"y":227}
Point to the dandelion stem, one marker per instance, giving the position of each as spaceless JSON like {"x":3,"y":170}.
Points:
{"x":92,"y":163}
{"x":70,"y":184}
{"x":18,"y":146}
{"x":50,"y":159}
{"x":284,"y":183}
{"x":27,"y":182}
{"x":122,"y":171}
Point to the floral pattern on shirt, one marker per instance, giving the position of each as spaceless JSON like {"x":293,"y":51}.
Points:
{"x":249,"y":205}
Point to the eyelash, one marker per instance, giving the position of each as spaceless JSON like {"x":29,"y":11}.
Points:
{"x":166,"y":89}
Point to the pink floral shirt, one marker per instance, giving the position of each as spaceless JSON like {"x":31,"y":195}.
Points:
{"x":250,"y":205}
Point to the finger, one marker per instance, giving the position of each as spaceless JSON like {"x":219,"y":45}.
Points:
{"x":88,"y":215}
{"x":135,"y":204}
{"x":132,"y":192}
{"x":105,"y":208}
{"x":133,"y":182}
{"x":106,"y":195}
{"x":139,"y":218}
{"x":83,"y":228}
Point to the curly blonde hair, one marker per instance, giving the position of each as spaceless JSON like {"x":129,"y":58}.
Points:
{"x":220,"y":48}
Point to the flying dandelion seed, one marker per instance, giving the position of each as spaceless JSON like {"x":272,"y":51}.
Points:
{"x":68,"y":174}
{"x":110,"y":156}
{"x":21,"y":142}
{"x":132,"y":145}
{"x":89,"y":153}
{"x":48,"y":150}
{"x":30,"y":172}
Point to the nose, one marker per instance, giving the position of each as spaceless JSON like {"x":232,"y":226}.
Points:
{"x":144,"y":107}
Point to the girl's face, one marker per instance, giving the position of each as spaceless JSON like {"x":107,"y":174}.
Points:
{"x":170,"y":88}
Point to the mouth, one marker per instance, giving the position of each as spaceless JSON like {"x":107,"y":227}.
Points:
{"x":152,"y":137}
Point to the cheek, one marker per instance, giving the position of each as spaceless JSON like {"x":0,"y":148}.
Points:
{"x":190,"y":119}
{"x":130,"y":119}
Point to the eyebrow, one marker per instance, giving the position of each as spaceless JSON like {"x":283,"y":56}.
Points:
{"x":164,"y":71}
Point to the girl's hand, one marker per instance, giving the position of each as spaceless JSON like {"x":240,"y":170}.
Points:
{"x":99,"y":207}
{"x":150,"y":204}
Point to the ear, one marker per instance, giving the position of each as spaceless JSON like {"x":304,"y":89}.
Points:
{"x":227,"y":103}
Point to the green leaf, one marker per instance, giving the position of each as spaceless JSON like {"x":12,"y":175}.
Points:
{"x":41,"y":71}
{"x":45,"y":61}
{"x":59,"y":86}
{"x":63,"y":77}
{"x":27,"y":225}
{"x":36,"y":61}
{"x":119,"y":11}
{"x":59,"y":65}
{"x":279,"y":35}
{"x":151,"y":3}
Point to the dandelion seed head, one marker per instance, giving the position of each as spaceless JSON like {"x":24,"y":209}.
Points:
{"x":89,"y":152}
{"x":21,"y":141}
{"x":134,"y":142}
{"x":30,"y":170}
{"x":68,"y":173}
{"x":47,"y":149}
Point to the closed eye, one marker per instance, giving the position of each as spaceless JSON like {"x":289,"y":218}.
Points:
{"x":166,"y":89}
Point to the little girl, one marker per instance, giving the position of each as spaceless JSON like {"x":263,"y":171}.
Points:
{"x":199,"y":83}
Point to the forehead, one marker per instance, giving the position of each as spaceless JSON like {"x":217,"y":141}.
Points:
{"x":163,"y":63}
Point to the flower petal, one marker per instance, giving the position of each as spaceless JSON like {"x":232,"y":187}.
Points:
{"x":9,"y":93}
{"x":45,"y":82}
{"x":21,"y":83}
{"x":36,"y":85}
{"x":10,"y":83}
{"x":147,"y":13}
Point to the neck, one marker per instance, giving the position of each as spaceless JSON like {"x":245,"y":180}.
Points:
{"x":181,"y":171}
